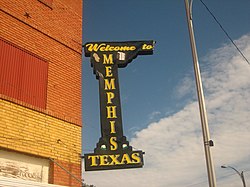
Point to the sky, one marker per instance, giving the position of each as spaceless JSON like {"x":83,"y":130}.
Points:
{"x":158,"y":94}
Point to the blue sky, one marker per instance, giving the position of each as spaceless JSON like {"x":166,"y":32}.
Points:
{"x":158,"y":94}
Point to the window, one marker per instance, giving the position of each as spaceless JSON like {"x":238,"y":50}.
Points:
{"x":23,"y":76}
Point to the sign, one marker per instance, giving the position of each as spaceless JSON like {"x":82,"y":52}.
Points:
{"x":20,"y":166}
{"x":113,"y":150}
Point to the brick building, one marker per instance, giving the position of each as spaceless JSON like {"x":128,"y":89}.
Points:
{"x":40,"y":92}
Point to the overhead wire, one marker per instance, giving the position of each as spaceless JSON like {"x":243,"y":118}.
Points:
{"x":218,"y":178}
{"x":205,"y":181}
{"x":225,"y":32}
{"x":244,"y":57}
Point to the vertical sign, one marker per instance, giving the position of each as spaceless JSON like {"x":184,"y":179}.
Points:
{"x":113,"y":150}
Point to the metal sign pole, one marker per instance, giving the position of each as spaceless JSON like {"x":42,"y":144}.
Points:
{"x":203,"y":116}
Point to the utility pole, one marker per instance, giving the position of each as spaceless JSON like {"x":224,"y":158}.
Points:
{"x":206,"y":137}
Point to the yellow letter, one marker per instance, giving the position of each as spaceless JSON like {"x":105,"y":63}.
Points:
{"x":136,"y":158}
{"x":126,"y":158}
{"x":110,"y":95}
{"x":113,"y":143}
{"x":109,"y":84}
{"x":94,"y":47}
{"x":108,"y":71}
{"x":93,"y":160}
{"x":112,"y":127}
{"x":147,"y":47}
{"x":108,"y":60}
{"x":104,"y":160}
{"x":115,"y":160}
{"x":111,"y":111}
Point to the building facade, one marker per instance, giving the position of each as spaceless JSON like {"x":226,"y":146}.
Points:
{"x":40,"y":91}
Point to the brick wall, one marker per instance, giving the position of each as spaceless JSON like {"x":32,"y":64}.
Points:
{"x":53,"y":33}
{"x":31,"y":132}
{"x":61,"y":177}
{"x":63,"y":21}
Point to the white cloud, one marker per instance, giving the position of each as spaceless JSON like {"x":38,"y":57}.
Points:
{"x":154,"y":115}
{"x":185,"y":87}
{"x":173,"y":145}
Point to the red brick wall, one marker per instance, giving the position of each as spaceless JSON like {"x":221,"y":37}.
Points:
{"x":54,"y":34}
{"x":61,"y":177}
{"x":63,"y":21}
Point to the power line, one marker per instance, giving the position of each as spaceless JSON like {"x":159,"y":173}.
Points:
{"x":225,"y":176}
{"x":202,"y":182}
{"x":226,"y":33}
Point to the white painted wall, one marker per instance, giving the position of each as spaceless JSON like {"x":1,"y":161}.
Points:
{"x":21,"y":166}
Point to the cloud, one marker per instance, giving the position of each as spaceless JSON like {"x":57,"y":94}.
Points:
{"x":185,"y":87}
{"x":174,"y":145}
{"x":154,"y":115}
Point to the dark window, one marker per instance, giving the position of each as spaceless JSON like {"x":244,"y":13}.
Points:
{"x":23,"y":76}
